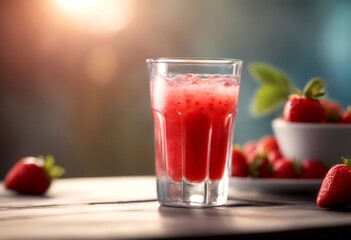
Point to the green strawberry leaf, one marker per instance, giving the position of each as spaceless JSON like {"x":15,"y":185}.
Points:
{"x":253,"y":168}
{"x":296,"y":91}
{"x":346,"y":161}
{"x":53,"y":171}
{"x":297,"y":166}
{"x":268,"y":74}
{"x":273,"y":91}
{"x":268,"y":98}
{"x":315,"y":88}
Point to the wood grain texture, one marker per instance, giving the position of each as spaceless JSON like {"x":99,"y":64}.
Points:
{"x":126,"y":208}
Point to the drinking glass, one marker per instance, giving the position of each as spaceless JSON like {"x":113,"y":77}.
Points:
{"x":194,"y":104}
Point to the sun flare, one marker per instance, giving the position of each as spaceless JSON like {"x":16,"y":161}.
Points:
{"x":101,"y":17}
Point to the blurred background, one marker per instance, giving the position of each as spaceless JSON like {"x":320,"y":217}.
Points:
{"x":74,"y":84}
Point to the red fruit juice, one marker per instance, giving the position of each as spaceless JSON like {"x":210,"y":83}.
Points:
{"x":194,"y":121}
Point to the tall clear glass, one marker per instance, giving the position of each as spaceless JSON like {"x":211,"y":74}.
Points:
{"x":194,"y":104}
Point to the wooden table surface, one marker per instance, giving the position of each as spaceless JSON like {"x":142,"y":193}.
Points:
{"x":126,"y":208}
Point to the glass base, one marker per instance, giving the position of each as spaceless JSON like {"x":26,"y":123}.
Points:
{"x":185,"y":194}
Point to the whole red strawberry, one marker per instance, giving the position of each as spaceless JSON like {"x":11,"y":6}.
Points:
{"x":286,"y":168}
{"x":240,"y":167}
{"x":259,"y":165}
{"x":267,"y":143}
{"x":249,"y":147}
{"x":305,"y":107}
{"x":274,"y":155}
{"x":32,"y":175}
{"x":333,"y":110}
{"x":335,"y":191}
{"x":312,"y":169}
{"x":346,"y":116}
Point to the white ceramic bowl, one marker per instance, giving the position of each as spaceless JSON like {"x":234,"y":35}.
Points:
{"x":325,"y":142}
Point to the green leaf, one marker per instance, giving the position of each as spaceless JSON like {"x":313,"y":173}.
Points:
{"x":273,"y":91}
{"x":53,"y":171}
{"x":268,"y":98}
{"x":346,"y":161}
{"x":296,"y":91}
{"x":253,"y":168}
{"x":268,"y":74}
{"x":315,"y":88}
{"x":49,"y":161}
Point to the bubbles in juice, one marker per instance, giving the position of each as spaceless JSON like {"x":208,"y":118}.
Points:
{"x":194,"y":120}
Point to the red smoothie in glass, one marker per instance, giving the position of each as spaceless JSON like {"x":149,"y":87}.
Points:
{"x":194,"y":120}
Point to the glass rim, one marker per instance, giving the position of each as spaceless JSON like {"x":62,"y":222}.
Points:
{"x":186,"y":60}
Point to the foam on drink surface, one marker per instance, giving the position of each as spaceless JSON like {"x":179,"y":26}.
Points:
{"x":190,"y":92}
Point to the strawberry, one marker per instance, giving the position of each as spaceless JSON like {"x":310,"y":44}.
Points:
{"x":335,"y":191}
{"x":32,"y":175}
{"x":305,"y":107}
{"x":259,"y":165}
{"x":286,"y":168}
{"x":346,"y":116}
{"x":267,"y":144}
{"x":333,"y":111}
{"x":312,"y":169}
{"x":240,"y":167}
{"x":274,"y":155}
{"x":249,"y":147}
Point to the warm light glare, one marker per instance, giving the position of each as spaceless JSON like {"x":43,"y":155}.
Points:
{"x":101,"y":17}
{"x":101,"y":64}
{"x":75,"y":5}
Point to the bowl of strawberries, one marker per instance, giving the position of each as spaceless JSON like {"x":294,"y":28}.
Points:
{"x":258,"y":165}
{"x":311,"y":135}
{"x":314,"y":127}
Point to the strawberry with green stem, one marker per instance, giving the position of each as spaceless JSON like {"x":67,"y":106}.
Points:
{"x":32,"y":175}
{"x":305,"y":106}
{"x":335,"y":191}
{"x":276,"y":90}
{"x":259,"y":165}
